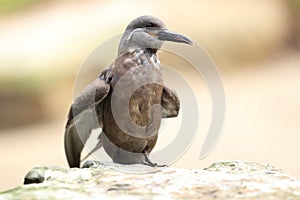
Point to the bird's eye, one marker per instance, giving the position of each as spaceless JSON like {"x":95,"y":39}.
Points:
{"x":148,"y":25}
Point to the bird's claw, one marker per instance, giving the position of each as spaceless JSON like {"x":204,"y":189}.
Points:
{"x":154,"y":164}
{"x":150,"y":163}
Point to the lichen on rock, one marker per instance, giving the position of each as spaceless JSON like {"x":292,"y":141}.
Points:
{"x":105,"y":180}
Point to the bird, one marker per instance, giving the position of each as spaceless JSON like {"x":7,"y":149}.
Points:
{"x":127,"y":100}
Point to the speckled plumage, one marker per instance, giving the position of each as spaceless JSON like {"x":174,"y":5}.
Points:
{"x":140,"y":105}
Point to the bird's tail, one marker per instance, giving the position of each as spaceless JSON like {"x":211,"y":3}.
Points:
{"x":73,"y":146}
{"x":77,"y":132}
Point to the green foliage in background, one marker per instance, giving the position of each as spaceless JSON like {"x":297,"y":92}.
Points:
{"x":295,"y":4}
{"x":8,"y":6}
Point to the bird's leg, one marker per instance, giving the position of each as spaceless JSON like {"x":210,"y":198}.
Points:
{"x":150,"y":163}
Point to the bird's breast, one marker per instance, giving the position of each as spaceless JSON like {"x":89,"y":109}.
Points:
{"x":137,"y":85}
{"x":144,"y":105}
{"x":138,"y":91}
{"x":132,"y":110}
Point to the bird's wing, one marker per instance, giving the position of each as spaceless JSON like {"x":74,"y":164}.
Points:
{"x":84,"y":116}
{"x":170,"y":103}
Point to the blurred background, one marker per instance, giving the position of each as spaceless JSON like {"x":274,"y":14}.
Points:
{"x":254,"y":43}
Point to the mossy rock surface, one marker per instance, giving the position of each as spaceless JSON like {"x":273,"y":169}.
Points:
{"x":104,"y":180}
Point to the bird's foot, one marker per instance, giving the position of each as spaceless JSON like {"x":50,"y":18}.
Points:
{"x":154,"y":164}
{"x":150,"y":163}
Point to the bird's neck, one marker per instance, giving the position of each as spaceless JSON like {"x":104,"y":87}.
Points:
{"x":150,"y":51}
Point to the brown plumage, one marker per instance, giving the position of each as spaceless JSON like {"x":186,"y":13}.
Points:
{"x":127,"y":137}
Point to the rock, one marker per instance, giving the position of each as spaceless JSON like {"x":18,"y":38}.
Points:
{"x":104,"y":180}
{"x":34,"y":176}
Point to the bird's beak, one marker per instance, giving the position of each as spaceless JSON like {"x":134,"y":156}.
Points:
{"x":167,"y":35}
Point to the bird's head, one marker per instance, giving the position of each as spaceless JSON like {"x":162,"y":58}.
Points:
{"x":148,"y":32}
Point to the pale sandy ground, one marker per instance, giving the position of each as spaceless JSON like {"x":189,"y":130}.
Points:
{"x":262,"y":124}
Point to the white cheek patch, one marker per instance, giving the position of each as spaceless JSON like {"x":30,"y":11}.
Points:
{"x":130,"y":35}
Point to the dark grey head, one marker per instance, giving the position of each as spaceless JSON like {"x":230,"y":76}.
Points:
{"x":148,"y":32}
